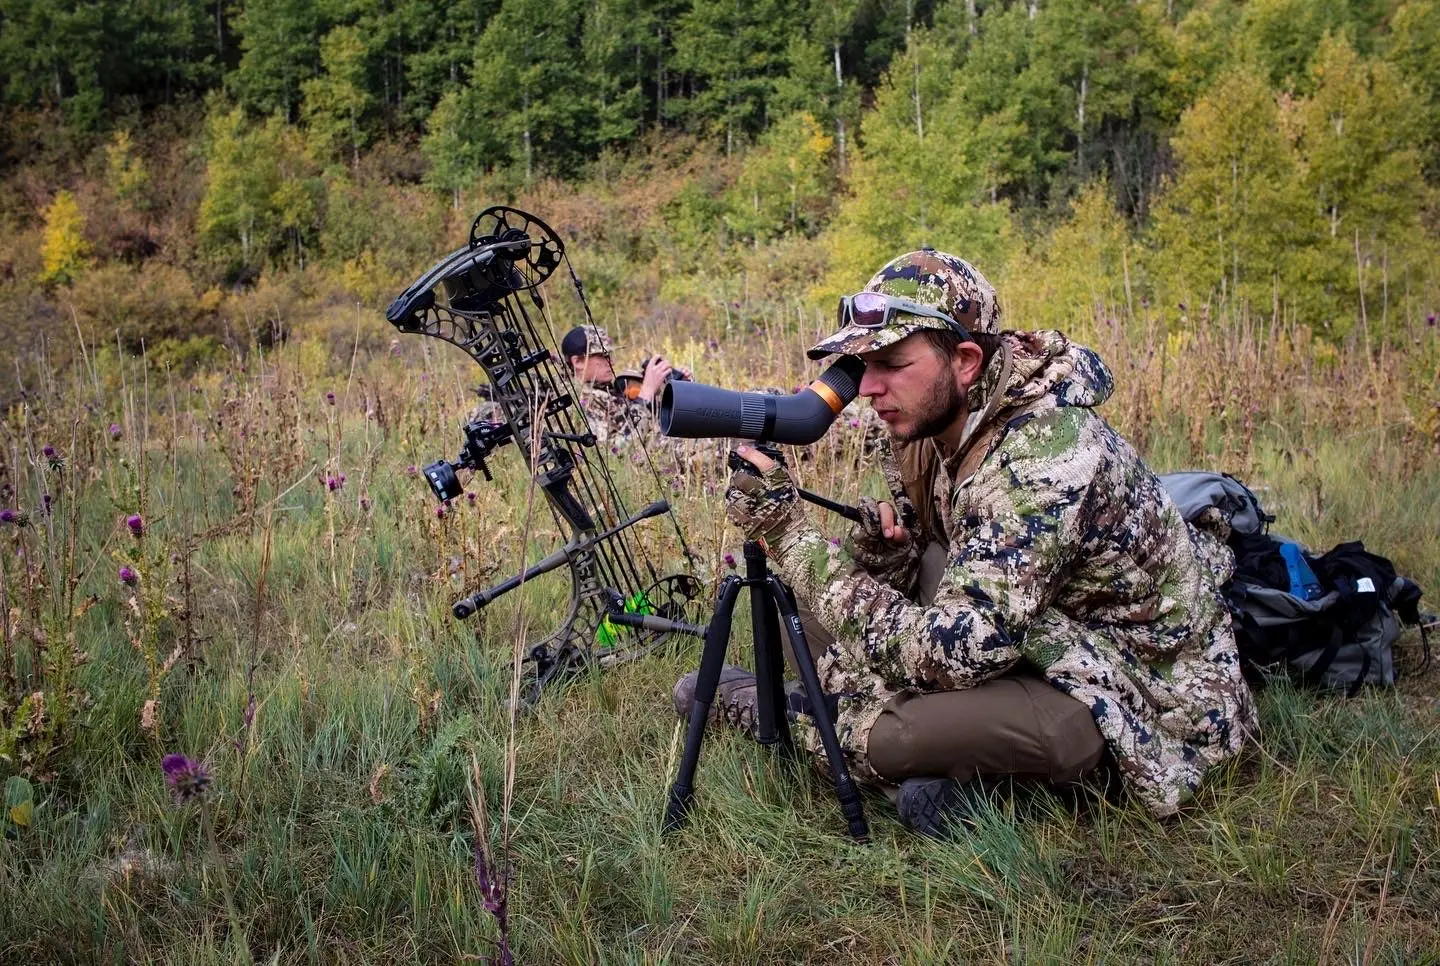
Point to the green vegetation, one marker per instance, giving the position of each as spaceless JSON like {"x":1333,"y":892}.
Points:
{"x":204,"y":206}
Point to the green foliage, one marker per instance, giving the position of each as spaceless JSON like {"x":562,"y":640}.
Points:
{"x":126,"y":174}
{"x":336,"y":102}
{"x":1227,"y":226}
{"x":528,"y":102}
{"x":1089,"y":262}
{"x":1357,"y":140}
{"x":87,"y":56}
{"x":734,"y":53}
{"x":918,"y":179}
{"x":262,"y":193}
{"x":63,"y":248}
{"x":280,"y":44}
{"x":1279,"y":37}
{"x":446,"y":145}
{"x":785,"y":183}
{"x":1414,"y":48}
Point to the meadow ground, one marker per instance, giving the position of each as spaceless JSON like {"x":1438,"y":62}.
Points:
{"x":288,"y":625}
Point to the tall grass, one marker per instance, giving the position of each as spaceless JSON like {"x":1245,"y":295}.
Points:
{"x":291,"y":625}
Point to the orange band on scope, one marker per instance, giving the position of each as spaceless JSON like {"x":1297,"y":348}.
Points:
{"x":829,"y":395}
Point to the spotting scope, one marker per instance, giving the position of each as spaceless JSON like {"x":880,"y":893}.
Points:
{"x":694,"y":410}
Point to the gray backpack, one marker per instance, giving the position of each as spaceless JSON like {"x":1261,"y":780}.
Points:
{"x":1331,"y":620}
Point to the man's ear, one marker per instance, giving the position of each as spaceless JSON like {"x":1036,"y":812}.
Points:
{"x":969,"y":362}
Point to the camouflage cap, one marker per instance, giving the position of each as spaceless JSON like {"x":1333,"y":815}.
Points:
{"x":586,"y":340}
{"x":933,"y":279}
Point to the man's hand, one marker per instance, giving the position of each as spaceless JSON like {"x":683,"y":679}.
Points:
{"x":766,"y":506}
{"x":880,"y":520}
{"x":878,"y":541}
{"x":657,"y":371}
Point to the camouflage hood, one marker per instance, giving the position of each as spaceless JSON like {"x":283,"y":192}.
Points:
{"x":1041,"y":364}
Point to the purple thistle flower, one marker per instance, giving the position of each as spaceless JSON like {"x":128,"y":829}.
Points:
{"x":10,"y":516}
{"x":470,"y":498}
{"x":410,"y":470}
{"x":129,"y":577}
{"x":136,"y":525}
{"x":730,"y":560}
{"x":187,"y":779}
{"x":49,"y":451}
{"x":332,"y":484}
{"x":330,"y":398}
{"x":364,"y":504}
{"x":1430,"y":320}
{"x":440,"y":512}
{"x":115,"y":431}
{"x":341,"y":479}
{"x":834,"y":541}
{"x":45,"y":502}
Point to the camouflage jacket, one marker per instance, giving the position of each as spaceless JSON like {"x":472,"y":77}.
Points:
{"x":1064,"y":552}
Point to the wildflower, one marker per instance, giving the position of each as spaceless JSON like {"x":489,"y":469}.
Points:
{"x":49,"y":451}
{"x":440,"y":512}
{"x":45,"y":502}
{"x":10,"y":516}
{"x":115,"y":431}
{"x":834,"y":541}
{"x":341,"y":479}
{"x":330,"y":398}
{"x":410,"y":470}
{"x":187,"y":779}
{"x":470,"y":498}
{"x":730,"y":560}
{"x":136,"y":525}
{"x":332,"y":484}
{"x":129,"y":577}
{"x":364,"y":504}
{"x":854,"y":422}
{"x":1430,"y":320}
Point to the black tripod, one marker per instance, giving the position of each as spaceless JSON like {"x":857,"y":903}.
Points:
{"x":770,"y":601}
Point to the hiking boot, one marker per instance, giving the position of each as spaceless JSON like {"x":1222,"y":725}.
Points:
{"x":937,"y":806}
{"x":735,"y":699}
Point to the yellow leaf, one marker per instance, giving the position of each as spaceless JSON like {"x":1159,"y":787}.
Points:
{"x":22,"y":813}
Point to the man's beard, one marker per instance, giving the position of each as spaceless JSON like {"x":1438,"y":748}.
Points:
{"x":944,"y":405}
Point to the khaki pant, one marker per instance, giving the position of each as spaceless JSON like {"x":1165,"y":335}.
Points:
{"x":1015,"y":724}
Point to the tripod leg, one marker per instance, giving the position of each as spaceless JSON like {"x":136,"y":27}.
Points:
{"x":772,"y":726}
{"x":845,"y":790}
{"x":712,"y":661}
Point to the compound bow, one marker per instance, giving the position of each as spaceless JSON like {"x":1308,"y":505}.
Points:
{"x":472,"y":299}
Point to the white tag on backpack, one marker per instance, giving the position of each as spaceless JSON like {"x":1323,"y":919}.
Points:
{"x":1364,"y":586}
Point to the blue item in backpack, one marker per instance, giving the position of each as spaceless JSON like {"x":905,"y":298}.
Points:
{"x":1303,"y":582}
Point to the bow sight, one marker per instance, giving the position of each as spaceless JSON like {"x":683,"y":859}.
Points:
{"x":475,"y":298}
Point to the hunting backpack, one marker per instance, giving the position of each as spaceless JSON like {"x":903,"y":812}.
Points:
{"x":1330,"y":620}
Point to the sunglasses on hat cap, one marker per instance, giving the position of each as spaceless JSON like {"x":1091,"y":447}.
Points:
{"x":875,"y":310}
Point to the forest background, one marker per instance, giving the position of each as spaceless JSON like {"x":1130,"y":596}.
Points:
{"x":205,"y":207}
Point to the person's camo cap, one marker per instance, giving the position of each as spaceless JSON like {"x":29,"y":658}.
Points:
{"x":586,"y":340}
{"x":934,"y":279}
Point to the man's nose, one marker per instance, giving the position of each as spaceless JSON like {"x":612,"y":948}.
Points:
{"x":870,"y":386}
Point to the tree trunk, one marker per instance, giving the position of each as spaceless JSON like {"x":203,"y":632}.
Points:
{"x":525,"y":137}
{"x":839,"y":106}
{"x":972,"y":17}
